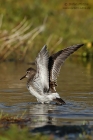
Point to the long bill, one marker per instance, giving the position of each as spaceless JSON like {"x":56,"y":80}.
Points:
{"x":23,"y":77}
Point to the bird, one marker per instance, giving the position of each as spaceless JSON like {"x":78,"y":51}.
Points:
{"x":42,"y":81}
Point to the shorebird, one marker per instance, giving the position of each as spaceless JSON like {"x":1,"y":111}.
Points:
{"x":42,"y":82}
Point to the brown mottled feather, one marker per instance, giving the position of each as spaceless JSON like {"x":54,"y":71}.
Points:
{"x":56,"y":60}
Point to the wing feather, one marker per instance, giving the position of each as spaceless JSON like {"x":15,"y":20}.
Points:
{"x":57,"y":59}
{"x":41,"y":79}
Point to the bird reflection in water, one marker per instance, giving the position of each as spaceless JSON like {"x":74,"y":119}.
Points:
{"x":40,"y":114}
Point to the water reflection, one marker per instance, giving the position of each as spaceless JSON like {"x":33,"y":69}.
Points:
{"x":39,"y":114}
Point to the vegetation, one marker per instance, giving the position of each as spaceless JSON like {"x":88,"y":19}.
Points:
{"x":14,"y":133}
{"x":31,"y":24}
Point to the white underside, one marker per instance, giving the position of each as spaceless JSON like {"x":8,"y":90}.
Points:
{"x":43,"y":97}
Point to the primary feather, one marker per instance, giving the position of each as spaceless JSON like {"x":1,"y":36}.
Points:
{"x":56,"y":60}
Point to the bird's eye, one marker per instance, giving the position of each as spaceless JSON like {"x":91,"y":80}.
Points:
{"x":27,"y":72}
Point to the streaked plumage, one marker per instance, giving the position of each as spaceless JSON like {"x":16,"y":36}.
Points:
{"x":42,"y":82}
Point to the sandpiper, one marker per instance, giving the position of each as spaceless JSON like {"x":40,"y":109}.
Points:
{"x":42,"y":82}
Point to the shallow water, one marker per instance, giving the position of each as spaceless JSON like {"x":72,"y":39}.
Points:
{"x":75,"y":86}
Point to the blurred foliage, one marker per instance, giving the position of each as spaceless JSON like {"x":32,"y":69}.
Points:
{"x":15,"y":132}
{"x":66,"y":23}
{"x":15,"y":127}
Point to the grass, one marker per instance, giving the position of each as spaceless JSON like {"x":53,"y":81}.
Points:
{"x":18,"y":36}
{"x":26,"y":26}
{"x":14,"y":133}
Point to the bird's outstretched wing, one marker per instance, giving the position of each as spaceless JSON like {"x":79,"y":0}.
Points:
{"x":41,"y":79}
{"x":57,"y":59}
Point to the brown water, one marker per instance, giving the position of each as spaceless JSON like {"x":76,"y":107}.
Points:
{"x":75,"y":86}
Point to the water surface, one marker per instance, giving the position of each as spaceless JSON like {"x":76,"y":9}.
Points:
{"x":75,"y":86}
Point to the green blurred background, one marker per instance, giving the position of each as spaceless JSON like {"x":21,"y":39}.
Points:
{"x":63,"y":23}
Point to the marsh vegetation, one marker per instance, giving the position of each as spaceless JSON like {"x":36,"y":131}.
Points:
{"x":31,"y":24}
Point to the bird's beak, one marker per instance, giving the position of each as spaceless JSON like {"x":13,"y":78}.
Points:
{"x":23,"y":77}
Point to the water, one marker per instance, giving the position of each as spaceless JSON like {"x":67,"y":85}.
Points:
{"x":75,"y":86}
